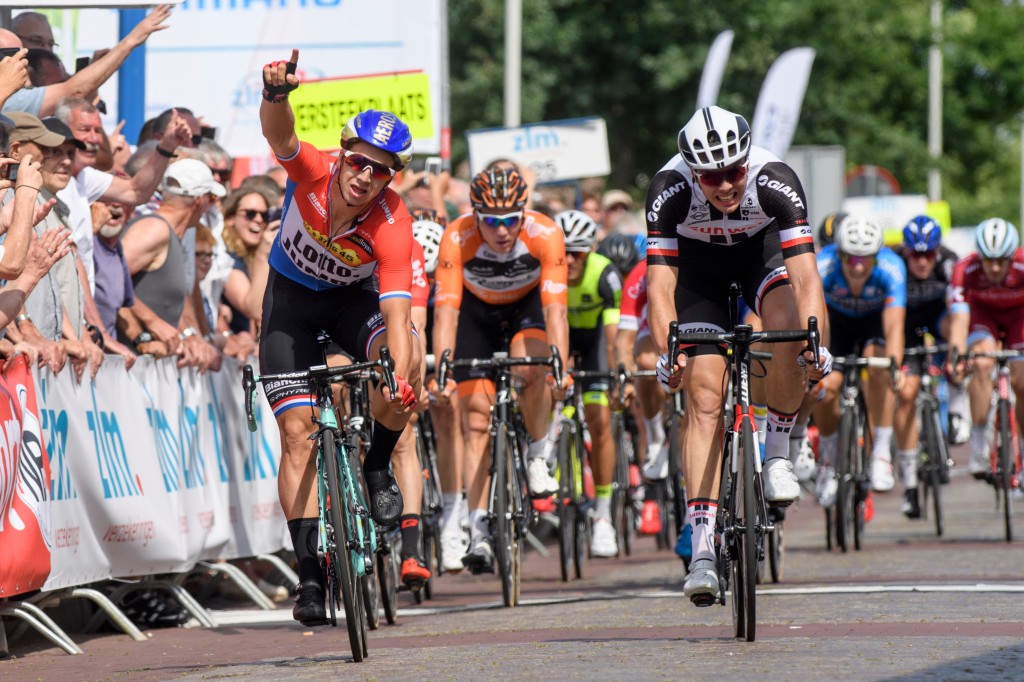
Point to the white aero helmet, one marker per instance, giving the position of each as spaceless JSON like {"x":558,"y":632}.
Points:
{"x":714,"y":138}
{"x":859,"y":235}
{"x":996,"y":238}
{"x":580,"y":230}
{"x":428,"y":234}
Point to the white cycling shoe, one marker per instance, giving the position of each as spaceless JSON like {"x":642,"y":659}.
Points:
{"x":701,"y":586}
{"x":602,"y":542}
{"x":656,"y":466}
{"x":882,"y":480}
{"x":452,"y":550}
{"x":780,"y":484}
{"x":539,"y":479}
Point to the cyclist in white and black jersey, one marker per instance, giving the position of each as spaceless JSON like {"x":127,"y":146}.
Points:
{"x":724,"y":211}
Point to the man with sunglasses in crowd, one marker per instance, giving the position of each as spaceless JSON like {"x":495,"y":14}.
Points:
{"x":724,"y":211}
{"x":986,"y":309}
{"x":866,"y":291}
{"x":501,"y":271}
{"x":341,"y":225}
{"x":929,"y":271}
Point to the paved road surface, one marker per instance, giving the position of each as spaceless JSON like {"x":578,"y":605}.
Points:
{"x":910,"y":606}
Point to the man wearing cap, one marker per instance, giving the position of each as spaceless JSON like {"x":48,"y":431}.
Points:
{"x":615,"y":207}
{"x":155,"y":252}
{"x":52,"y":319}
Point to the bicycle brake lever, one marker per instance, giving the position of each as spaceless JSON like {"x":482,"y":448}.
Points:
{"x":249,"y":386}
{"x":388,"y":370}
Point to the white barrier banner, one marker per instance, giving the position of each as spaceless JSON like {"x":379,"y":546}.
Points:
{"x":714,"y":69}
{"x":782,"y":96}
{"x":148,"y":471}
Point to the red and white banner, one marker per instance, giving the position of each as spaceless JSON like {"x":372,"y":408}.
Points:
{"x":714,"y":69}
{"x":134,"y":473}
{"x":782,"y":96}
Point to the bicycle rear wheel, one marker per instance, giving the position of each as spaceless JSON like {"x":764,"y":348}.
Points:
{"x":566,"y":506}
{"x":676,"y":484}
{"x":341,"y":515}
{"x":1004,"y":477}
{"x":775,"y":549}
{"x":507,"y":544}
{"x":387,"y":576}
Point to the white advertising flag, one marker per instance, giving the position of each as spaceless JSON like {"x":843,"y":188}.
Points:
{"x":782,"y":95}
{"x":714,"y":69}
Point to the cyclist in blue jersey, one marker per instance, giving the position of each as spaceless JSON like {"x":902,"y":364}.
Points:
{"x":866,"y":292}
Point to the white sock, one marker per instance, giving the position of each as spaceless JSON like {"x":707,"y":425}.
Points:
{"x":655,"y":430}
{"x":776,"y":444}
{"x":451,"y":512}
{"x":702,"y":522}
{"x":477,"y":523}
{"x":883,"y":441}
{"x":827,"y":447}
{"x":603,"y":508}
{"x":908,"y":467}
{"x":799,"y":429}
{"x":760,"y":423}
{"x":537,"y":448}
{"x":978,"y":441}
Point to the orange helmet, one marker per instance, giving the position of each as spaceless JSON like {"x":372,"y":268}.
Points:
{"x":498,"y":188}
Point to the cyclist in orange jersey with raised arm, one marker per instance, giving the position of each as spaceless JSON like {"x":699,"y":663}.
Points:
{"x":501,"y":266}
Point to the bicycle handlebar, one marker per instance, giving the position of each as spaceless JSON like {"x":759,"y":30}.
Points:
{"x":497,"y":361}
{"x":745,"y":334}
{"x":315,"y":375}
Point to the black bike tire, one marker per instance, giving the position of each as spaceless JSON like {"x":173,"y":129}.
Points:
{"x":677,"y":488}
{"x":862,"y":478}
{"x":579,"y":526}
{"x":751,"y":520}
{"x":386,"y":578}
{"x":620,"y":486}
{"x":776,"y":555}
{"x":936,"y":444}
{"x":1005,"y":479}
{"x":843,"y":507}
{"x":371,"y":596}
{"x":520,"y":504}
{"x":428,"y":541}
{"x":733,"y":549}
{"x":565,"y":509}
{"x":503,"y":520}
{"x":350,"y":596}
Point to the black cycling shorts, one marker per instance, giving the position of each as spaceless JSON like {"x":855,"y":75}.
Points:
{"x":589,"y":346}
{"x":482,"y":327}
{"x":707,"y":270}
{"x":293,"y":315}
{"x":851,"y":334}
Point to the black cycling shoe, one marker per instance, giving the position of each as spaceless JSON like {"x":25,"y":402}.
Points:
{"x":385,"y":496}
{"x":309,"y":606}
{"x":911,"y":508}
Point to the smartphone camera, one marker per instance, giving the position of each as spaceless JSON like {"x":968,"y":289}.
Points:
{"x":432,"y":166}
{"x":11,"y":172}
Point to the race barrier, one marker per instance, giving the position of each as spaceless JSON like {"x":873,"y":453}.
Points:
{"x":135,"y":473}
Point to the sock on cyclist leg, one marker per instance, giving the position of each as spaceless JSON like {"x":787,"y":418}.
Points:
{"x":760,"y":422}
{"x":537,"y":449}
{"x":410,"y":524}
{"x":827,"y":447}
{"x":882,"y":436}
{"x":908,"y":468}
{"x":799,"y":430}
{"x":701,"y":517}
{"x":979,"y":443}
{"x":381,"y":447}
{"x":603,"y":502}
{"x":451,"y":513}
{"x":305,"y":538}
{"x":478,"y":524}
{"x":776,"y":443}
{"x":655,"y":429}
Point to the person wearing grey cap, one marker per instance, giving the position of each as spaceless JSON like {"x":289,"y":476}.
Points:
{"x":52,"y":318}
{"x":155,"y":251}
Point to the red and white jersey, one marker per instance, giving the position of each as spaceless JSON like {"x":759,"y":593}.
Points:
{"x":633,"y":311}
{"x":971,"y":287}
{"x":380,"y":240}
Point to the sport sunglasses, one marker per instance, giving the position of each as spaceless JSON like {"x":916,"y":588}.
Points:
{"x":359,"y":163}
{"x":716,"y":178}
{"x":507,"y":220}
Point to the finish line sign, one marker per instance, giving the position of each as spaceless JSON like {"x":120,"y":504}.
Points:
{"x":322,"y":108}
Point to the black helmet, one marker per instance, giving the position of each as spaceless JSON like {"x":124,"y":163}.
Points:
{"x":620,"y":249}
{"x":827,"y":229}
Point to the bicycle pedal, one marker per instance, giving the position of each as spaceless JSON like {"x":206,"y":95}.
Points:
{"x":703,"y":600}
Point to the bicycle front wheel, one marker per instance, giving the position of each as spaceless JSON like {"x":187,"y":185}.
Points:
{"x":749,"y":546}
{"x":931,"y":478}
{"x":342,"y":518}
{"x":620,"y":486}
{"x":507,"y":544}
{"x":566,"y":499}
{"x":846,"y":494}
{"x":387,"y":576}
{"x":1004,"y":479}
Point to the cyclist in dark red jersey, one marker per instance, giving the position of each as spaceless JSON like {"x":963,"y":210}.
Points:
{"x":341,"y":225}
{"x":986,"y":305}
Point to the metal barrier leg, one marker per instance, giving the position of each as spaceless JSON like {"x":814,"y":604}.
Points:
{"x":41,"y":623}
{"x":536,"y":544}
{"x":115,"y":614}
{"x":244,"y":582}
{"x":282,"y":566}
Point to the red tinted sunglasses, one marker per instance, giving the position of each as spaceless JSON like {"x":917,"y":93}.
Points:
{"x":359,"y":163}
{"x":716,"y":178}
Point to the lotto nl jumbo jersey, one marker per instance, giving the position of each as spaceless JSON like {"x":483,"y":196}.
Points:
{"x":537,"y":258}
{"x":677,"y":210}
{"x":380,"y":239}
{"x":886,"y":287}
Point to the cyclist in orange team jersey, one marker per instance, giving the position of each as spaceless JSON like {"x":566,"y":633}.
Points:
{"x":501,"y":270}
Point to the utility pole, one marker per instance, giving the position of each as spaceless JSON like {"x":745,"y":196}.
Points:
{"x":513,"y":62}
{"x":935,"y":104}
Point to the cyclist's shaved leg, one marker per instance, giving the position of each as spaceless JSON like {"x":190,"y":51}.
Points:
{"x":410,"y":480}
{"x":881,"y":404}
{"x":476,"y":398}
{"x":907,"y":430}
{"x":534,"y":396}
{"x":704,"y":382}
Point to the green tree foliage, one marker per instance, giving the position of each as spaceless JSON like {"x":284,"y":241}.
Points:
{"x":638,"y":65}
